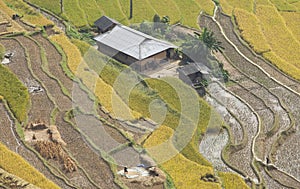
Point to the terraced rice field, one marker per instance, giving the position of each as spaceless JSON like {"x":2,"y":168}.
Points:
{"x":260,"y":107}
{"x":82,"y":13}
{"x":272,"y":97}
{"x":270,"y":28}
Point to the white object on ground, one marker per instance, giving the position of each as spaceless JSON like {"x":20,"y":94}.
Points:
{"x":5,"y":61}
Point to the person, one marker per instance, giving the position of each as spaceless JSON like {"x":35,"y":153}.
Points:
{"x":125,"y":171}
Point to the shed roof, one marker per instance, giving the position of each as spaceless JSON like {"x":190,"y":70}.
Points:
{"x":194,"y":68}
{"x":105,"y":22}
{"x":133,"y":43}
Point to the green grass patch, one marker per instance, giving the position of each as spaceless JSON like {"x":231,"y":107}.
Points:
{"x":16,"y":94}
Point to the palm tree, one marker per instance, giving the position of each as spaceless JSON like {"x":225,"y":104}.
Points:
{"x":208,"y":38}
{"x":193,"y":49}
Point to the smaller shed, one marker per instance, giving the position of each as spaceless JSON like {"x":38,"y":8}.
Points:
{"x":193,"y":73}
{"x":105,"y":24}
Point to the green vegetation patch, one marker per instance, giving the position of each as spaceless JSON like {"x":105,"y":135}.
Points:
{"x":15,"y":93}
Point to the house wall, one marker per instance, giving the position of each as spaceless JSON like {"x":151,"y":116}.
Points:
{"x":146,"y":64}
{"x":106,"y":50}
{"x":153,"y":61}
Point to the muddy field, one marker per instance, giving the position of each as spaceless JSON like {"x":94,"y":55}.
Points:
{"x":267,"y":92}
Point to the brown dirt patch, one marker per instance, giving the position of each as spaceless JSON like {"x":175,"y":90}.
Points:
{"x":6,"y":135}
{"x":87,"y":158}
{"x":54,"y":59}
{"x":51,"y":85}
{"x":41,"y":106}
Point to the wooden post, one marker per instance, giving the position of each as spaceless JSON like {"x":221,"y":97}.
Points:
{"x":61,"y":6}
{"x":130,"y":16}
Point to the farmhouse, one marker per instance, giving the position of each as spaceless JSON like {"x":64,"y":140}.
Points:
{"x":131,"y":47}
{"x":193,"y":73}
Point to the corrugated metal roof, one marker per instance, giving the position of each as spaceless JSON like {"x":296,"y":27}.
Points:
{"x":133,"y":43}
{"x":104,"y":23}
{"x":194,"y":68}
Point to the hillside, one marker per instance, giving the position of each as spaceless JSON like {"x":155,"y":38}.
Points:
{"x":106,"y":116}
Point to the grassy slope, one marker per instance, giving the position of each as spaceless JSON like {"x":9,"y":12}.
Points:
{"x":189,"y":159}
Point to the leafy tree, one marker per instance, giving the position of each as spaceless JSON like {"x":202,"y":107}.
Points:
{"x":208,"y":38}
{"x":165,"y":20}
{"x":194,"y":50}
{"x":156,"y":18}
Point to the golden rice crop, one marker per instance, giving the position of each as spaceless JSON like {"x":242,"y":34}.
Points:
{"x":7,"y":13}
{"x":263,"y":2}
{"x":190,"y":11}
{"x":187,"y":174}
{"x":29,"y":14}
{"x":226,"y":7}
{"x":292,"y":20}
{"x":53,"y":5}
{"x":16,"y":165}
{"x":105,"y":93}
{"x":284,"y":5}
{"x":243,"y":4}
{"x":231,"y":180}
{"x":250,"y":30}
{"x":72,"y":52}
{"x":74,"y":13}
{"x":113,"y":9}
{"x":15,"y":93}
{"x":91,"y":10}
{"x":163,"y":7}
{"x":280,"y":39}
{"x":178,"y":166}
{"x":207,"y":6}
{"x":283,"y":65}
